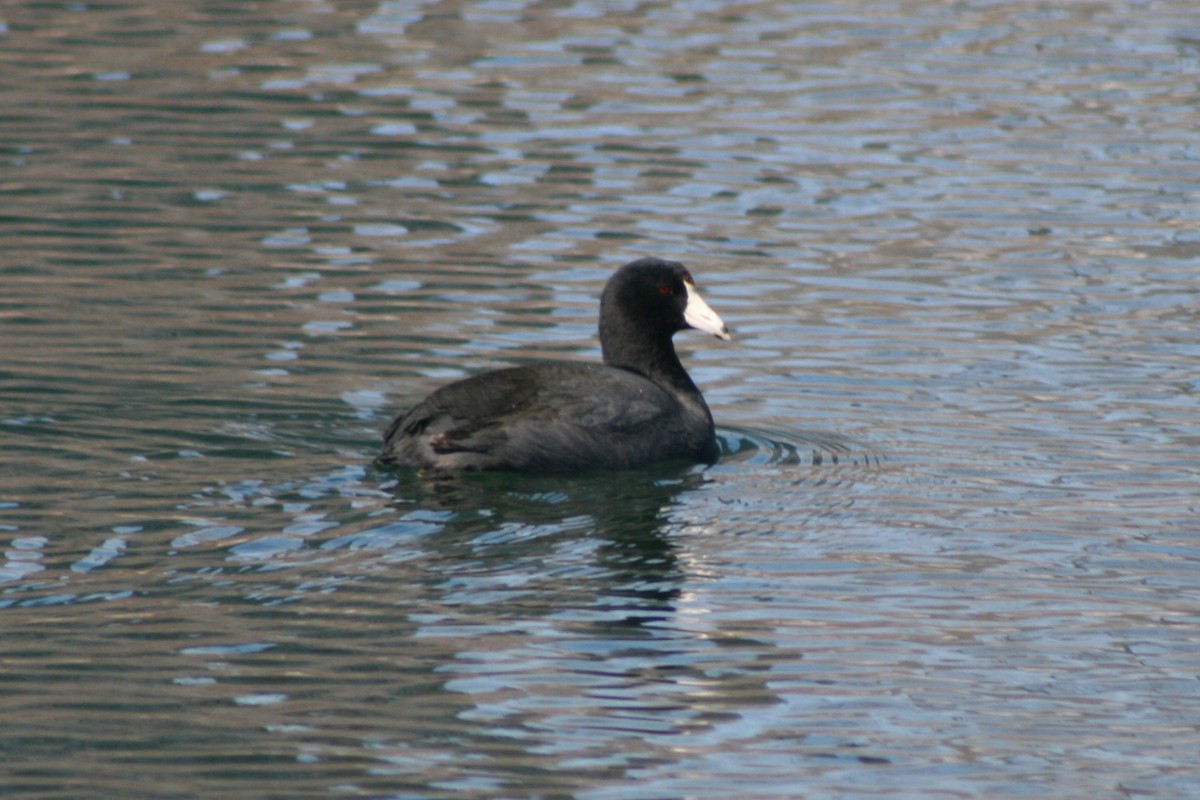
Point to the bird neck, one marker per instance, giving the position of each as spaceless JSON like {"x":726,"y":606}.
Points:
{"x":651,"y":354}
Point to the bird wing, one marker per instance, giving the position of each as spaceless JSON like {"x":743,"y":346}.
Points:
{"x":532,"y":416}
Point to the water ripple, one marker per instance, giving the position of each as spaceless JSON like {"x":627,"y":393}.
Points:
{"x":758,"y":447}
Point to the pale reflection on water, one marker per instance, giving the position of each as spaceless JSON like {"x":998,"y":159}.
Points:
{"x":952,"y":540}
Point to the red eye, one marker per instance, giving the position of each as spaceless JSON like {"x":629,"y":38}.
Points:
{"x":664,"y":290}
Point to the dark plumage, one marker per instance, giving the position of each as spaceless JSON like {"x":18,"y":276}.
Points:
{"x":636,"y":408}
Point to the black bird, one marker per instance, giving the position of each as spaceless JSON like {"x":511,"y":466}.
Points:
{"x":638,"y":407}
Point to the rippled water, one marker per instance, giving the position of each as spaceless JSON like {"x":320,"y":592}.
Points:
{"x":950,"y":549}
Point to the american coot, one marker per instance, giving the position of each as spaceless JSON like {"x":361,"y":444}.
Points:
{"x":636,"y":408}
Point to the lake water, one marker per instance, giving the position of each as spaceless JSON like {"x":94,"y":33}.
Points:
{"x":951,"y":550}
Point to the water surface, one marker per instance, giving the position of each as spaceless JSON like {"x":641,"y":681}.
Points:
{"x":951,"y":547}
